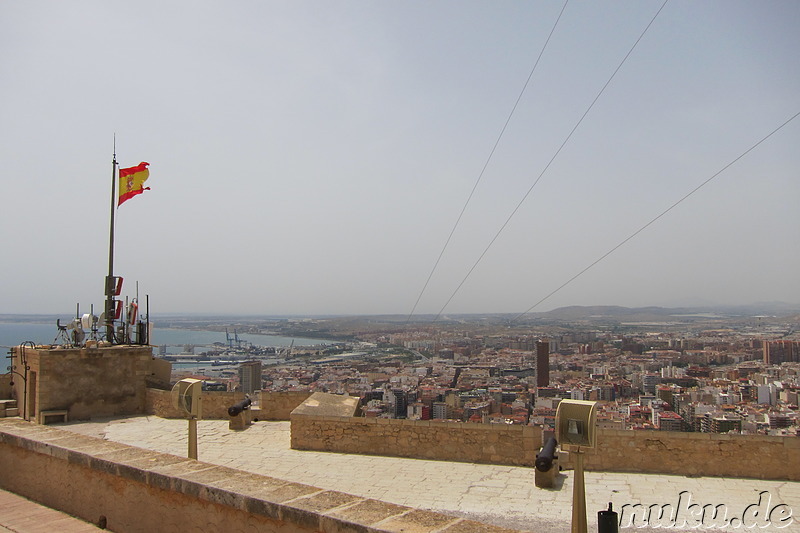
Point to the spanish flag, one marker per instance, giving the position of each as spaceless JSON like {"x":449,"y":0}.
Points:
{"x":131,"y":181}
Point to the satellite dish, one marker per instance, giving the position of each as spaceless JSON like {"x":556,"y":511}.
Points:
{"x":186,"y":397}
{"x":77,"y":334}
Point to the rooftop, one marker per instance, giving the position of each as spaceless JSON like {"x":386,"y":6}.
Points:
{"x":500,"y":495}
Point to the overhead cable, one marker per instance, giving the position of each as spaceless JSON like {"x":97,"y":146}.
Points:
{"x":667,"y":210}
{"x":486,"y":164}
{"x":525,"y":196}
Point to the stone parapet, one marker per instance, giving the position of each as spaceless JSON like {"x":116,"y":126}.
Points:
{"x":272,"y":405}
{"x":695,"y":454}
{"x":91,"y":382}
{"x":215,"y":404}
{"x":279,"y":405}
{"x":132,"y":490}
{"x":647,"y":452}
{"x":445,"y":441}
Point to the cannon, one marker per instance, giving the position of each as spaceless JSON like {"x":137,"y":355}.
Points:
{"x":237,"y":408}
{"x":546,"y":463}
{"x":544,"y":459}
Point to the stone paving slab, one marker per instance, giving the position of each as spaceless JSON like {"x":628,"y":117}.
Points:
{"x":500,"y":495}
{"x":20,"y":515}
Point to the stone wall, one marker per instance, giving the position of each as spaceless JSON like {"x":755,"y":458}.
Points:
{"x":695,"y":454}
{"x":215,"y":404}
{"x":279,"y":405}
{"x":272,"y":405}
{"x":656,"y":452}
{"x":5,"y":386}
{"x":131,"y":490}
{"x":445,"y":441}
{"x":86,"y":382}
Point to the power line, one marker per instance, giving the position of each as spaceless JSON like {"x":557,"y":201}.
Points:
{"x":667,"y":210}
{"x":486,"y":164}
{"x":569,"y":136}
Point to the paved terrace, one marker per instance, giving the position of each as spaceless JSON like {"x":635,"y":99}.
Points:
{"x":501,"y":495}
{"x":20,"y":515}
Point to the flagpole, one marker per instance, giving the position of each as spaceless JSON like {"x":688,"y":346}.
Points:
{"x":110,"y":279}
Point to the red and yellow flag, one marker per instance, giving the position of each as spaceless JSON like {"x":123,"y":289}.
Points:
{"x":131,"y":181}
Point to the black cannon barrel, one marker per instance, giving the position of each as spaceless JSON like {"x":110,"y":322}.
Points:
{"x":237,"y":408}
{"x":544,"y":459}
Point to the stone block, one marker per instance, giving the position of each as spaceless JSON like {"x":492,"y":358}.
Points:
{"x":368,"y":512}
{"x":418,"y":521}
{"x":468,"y":526}
{"x":55,"y":415}
{"x":546,"y":480}
{"x":238,"y":422}
{"x":791,"y":443}
{"x":324,"y":404}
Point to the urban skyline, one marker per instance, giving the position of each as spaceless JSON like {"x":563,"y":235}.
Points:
{"x":705,"y":374}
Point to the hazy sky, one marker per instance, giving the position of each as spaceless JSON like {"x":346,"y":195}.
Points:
{"x":312,"y":157}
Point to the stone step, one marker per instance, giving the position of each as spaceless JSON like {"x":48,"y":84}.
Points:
{"x":8,"y":408}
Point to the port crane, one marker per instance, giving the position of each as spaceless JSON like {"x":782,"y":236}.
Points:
{"x":234,"y":339}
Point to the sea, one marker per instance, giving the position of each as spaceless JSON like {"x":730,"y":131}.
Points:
{"x":175,"y":340}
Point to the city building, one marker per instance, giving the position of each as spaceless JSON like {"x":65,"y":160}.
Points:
{"x":777,"y":352}
{"x":400,"y":403}
{"x":726,"y":423}
{"x":440,"y":411}
{"x":542,"y":363}
{"x":250,"y":376}
{"x":670,"y":421}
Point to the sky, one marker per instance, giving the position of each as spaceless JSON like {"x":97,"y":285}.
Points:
{"x":312,"y":157}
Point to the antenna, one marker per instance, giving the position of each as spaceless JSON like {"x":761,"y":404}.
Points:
{"x":94,"y":322}
{"x":147,"y":318}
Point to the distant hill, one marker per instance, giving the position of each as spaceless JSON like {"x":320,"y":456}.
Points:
{"x":596,"y":312}
{"x":580,"y":312}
